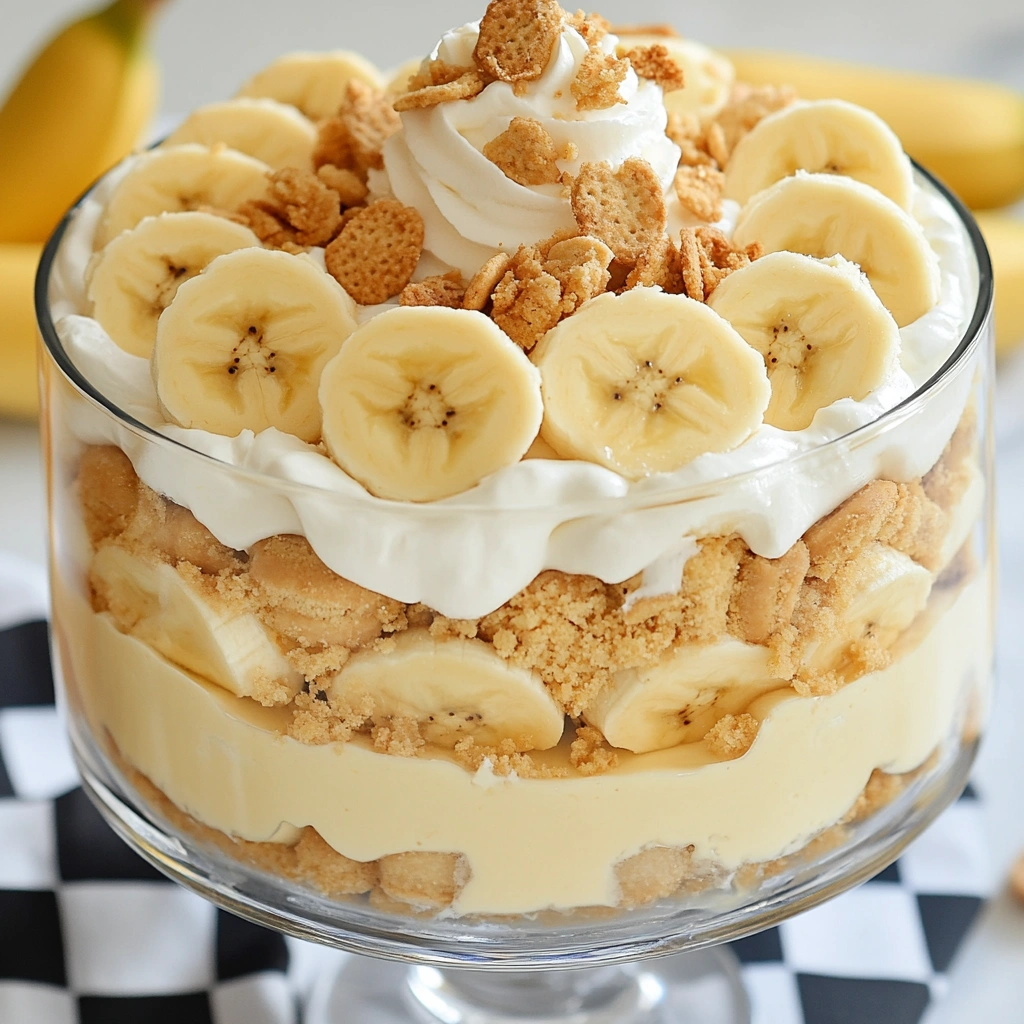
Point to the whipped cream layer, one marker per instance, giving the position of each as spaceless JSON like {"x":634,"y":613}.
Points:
{"x":470,"y":208}
{"x":530,"y":843}
{"x":467,"y":555}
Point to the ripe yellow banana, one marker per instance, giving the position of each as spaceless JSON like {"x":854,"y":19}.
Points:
{"x":78,"y":109}
{"x":18,"y":390}
{"x":1004,"y":235}
{"x":971,"y":134}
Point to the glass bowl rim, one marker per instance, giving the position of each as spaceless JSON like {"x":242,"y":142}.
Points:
{"x":633,"y":499}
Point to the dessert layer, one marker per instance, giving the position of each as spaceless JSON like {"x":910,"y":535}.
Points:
{"x":465,"y":556}
{"x":530,"y":844}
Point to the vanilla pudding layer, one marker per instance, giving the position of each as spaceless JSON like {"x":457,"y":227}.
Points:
{"x":530,"y":844}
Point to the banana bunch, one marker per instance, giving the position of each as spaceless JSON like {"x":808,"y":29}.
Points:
{"x":81,"y":105}
{"x":970,"y":134}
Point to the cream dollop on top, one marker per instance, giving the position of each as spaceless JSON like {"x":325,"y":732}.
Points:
{"x":470,"y":208}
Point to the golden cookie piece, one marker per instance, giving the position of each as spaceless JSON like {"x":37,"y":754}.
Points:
{"x":423,"y":879}
{"x":596,"y":85}
{"x":652,"y":874}
{"x":624,"y":208}
{"x":441,"y":290}
{"x":656,"y":63}
{"x":376,"y":254}
{"x":766,"y":593}
{"x":517,"y":38}
{"x":484,"y":281}
{"x":109,"y":491}
{"x":307,"y":602}
{"x":525,"y":153}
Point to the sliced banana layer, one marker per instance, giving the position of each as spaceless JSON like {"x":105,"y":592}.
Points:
{"x":830,"y":136}
{"x":453,"y":689}
{"x":709,"y":75}
{"x":822,"y":331}
{"x":175,"y":178}
{"x":273,"y":132}
{"x":879,"y":594}
{"x":645,"y":382}
{"x":313,"y":82}
{"x":827,"y":215}
{"x":242,"y":345}
{"x":680,"y":698}
{"x":423,"y":402}
{"x":133,"y":279}
{"x":189,"y":624}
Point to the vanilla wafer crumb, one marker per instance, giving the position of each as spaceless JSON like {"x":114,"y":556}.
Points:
{"x":484,"y":281}
{"x":591,"y":26}
{"x":590,"y":753}
{"x":596,"y":85}
{"x":503,"y":759}
{"x":844,"y":533}
{"x":375,"y":255}
{"x":747,"y":106}
{"x":316,"y":722}
{"x":656,"y":63}
{"x":350,"y":187}
{"x":441,"y":290}
{"x":469,"y":84}
{"x":525,"y":152}
{"x":624,"y":208}
{"x":732,"y":736}
{"x":398,"y":736}
{"x":699,"y":189}
{"x":517,"y":38}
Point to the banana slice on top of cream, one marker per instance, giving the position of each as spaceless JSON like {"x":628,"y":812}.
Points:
{"x":423,"y":402}
{"x":645,"y":382}
{"x":242,"y":345}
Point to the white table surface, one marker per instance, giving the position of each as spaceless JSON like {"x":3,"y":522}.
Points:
{"x":209,"y":46}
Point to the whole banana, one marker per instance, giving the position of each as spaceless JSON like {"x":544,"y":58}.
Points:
{"x":971,"y":134}
{"x":1004,"y":236}
{"x":80,"y":106}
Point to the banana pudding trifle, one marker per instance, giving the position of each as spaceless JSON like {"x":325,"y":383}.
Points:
{"x":551,"y":478}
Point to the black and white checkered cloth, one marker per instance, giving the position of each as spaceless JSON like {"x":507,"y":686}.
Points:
{"x":91,"y":934}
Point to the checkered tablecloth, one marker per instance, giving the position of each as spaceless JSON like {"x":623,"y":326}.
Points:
{"x":90,"y":933}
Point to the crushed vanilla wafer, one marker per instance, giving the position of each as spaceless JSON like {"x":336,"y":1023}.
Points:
{"x":732,"y":736}
{"x":706,"y":257}
{"x":747,"y":105}
{"x":466,"y":86}
{"x":517,"y":38}
{"x":658,"y":265}
{"x":484,"y":281}
{"x":656,"y":63}
{"x":591,"y":26}
{"x":376,"y":254}
{"x":503,"y":760}
{"x":596,"y":85}
{"x":525,"y":152}
{"x":370,"y":120}
{"x":441,"y":290}
{"x":699,"y":189}
{"x":590,"y":753}
{"x":624,"y":208}
{"x":350,"y":187}
{"x":766,"y":591}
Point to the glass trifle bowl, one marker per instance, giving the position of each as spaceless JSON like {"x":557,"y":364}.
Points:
{"x":437,"y":631}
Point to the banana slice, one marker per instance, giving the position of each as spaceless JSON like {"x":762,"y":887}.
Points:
{"x":831,"y":136}
{"x":680,"y":698}
{"x":242,"y":345}
{"x":313,"y":82}
{"x":823,"y":333}
{"x":876,"y":597}
{"x":826,"y":215}
{"x":192,"y":625}
{"x":133,"y":279}
{"x":453,"y":689}
{"x":709,"y":75}
{"x":645,"y":382}
{"x":175,"y":178}
{"x":273,"y":132}
{"x":423,"y":402}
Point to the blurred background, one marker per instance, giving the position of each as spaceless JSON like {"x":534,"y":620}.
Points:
{"x":208,"y":47}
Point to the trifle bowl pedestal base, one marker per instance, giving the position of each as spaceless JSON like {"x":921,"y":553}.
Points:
{"x":701,"y":987}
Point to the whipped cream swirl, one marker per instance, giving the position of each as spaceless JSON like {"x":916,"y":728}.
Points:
{"x":470,"y":208}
